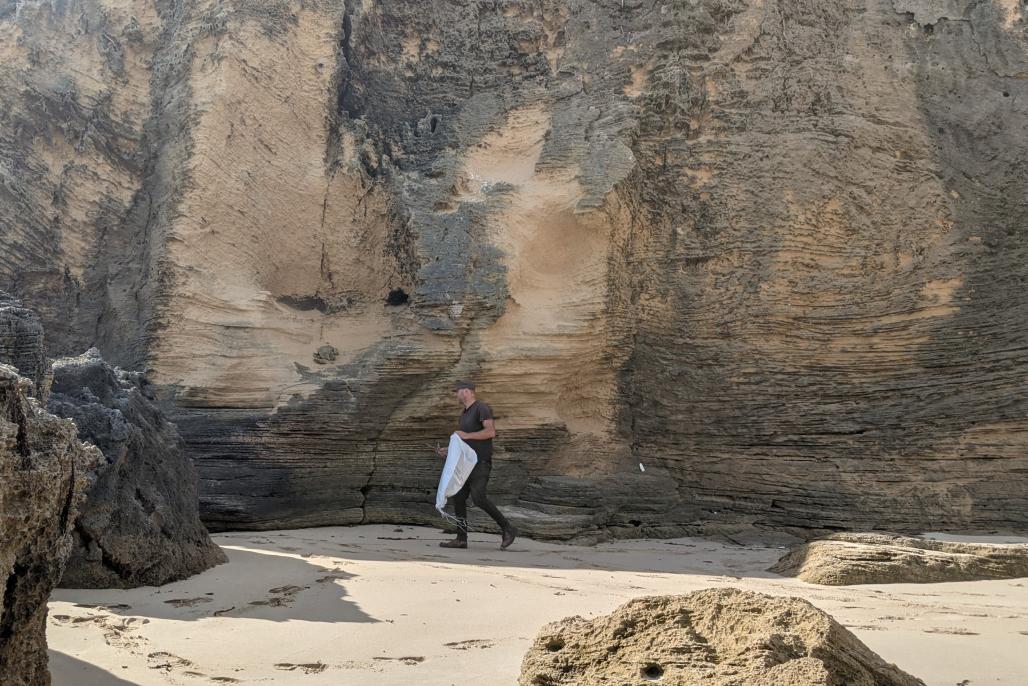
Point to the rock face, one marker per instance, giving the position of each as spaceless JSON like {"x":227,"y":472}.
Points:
{"x":140,"y":525}
{"x":21,"y":344}
{"x":44,"y":475}
{"x":853,"y":558}
{"x":722,"y":637}
{"x":772,"y":251}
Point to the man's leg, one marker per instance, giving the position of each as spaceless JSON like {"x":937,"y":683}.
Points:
{"x":460,"y":510}
{"x":479,"y":481}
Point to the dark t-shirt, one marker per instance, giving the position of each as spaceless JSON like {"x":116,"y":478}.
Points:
{"x":471,"y":421}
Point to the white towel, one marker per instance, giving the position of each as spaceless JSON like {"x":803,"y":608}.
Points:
{"x":460,"y":460}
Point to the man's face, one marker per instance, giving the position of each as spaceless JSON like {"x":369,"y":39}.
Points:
{"x":462,"y":394}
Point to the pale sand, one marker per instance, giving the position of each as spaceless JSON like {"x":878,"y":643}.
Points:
{"x":383,"y":605}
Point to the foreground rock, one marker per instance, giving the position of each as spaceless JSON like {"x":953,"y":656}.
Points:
{"x":846,"y":559}
{"x":140,"y":525}
{"x":44,"y":474}
{"x":723,"y":637}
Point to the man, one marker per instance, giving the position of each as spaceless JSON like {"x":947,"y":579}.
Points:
{"x":477,"y":429}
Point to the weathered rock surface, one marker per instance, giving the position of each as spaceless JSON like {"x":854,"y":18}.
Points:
{"x":21,"y":344}
{"x":773,"y":251}
{"x":45,"y":472}
{"x":854,"y":558}
{"x":140,"y":525}
{"x":720,"y":637}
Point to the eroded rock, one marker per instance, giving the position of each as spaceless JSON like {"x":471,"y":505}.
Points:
{"x":140,"y":525}
{"x":773,"y":251}
{"x":715,"y":637}
{"x":21,"y":344}
{"x":45,"y":472}
{"x":858,"y":558}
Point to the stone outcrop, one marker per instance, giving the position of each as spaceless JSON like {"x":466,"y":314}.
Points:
{"x":716,"y":637}
{"x":854,"y":558}
{"x":45,"y":472}
{"x":21,"y":344}
{"x":772,"y":251}
{"x":140,"y":525}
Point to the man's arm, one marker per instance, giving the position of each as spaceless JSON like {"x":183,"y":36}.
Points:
{"x":488,"y":431}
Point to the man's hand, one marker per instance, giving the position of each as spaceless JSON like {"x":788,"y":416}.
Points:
{"x":441,"y":452}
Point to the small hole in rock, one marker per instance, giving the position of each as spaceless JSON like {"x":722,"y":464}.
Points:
{"x":652,"y":671}
{"x":555,"y":644}
{"x":397,"y":296}
{"x":433,"y":122}
{"x":635,"y":522}
{"x":1006,"y":94}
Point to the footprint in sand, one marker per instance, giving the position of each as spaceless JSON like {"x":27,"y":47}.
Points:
{"x":469,"y":644}
{"x":283,"y":596}
{"x":166,"y":661}
{"x":186,"y":602}
{"x":103,"y":606}
{"x":306,"y":668}
{"x":954,"y":631}
{"x":865,"y":627}
{"x":118,"y":632}
{"x":408,"y":660}
{"x":215,"y":679}
{"x":68,"y":619}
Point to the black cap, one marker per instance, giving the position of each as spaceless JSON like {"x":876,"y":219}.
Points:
{"x":463,"y":384}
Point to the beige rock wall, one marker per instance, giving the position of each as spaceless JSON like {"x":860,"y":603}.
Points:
{"x":773,"y":251}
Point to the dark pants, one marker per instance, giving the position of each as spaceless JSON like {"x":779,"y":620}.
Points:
{"x":475,"y":486}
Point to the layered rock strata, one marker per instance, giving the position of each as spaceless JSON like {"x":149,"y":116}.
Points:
{"x":772,"y":252}
{"x":21,"y":344}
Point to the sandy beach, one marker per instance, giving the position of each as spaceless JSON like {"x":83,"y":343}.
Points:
{"x":384,"y":605}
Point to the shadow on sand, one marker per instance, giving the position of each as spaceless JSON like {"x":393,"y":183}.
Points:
{"x":249,"y":585}
{"x":68,"y":671}
{"x":415,"y":544}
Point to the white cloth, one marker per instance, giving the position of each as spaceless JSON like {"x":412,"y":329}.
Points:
{"x":460,"y":460}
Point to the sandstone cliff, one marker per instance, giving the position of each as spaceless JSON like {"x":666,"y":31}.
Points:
{"x":45,"y":473}
{"x":771,"y":249}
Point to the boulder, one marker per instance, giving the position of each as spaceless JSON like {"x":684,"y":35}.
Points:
{"x":45,"y":472}
{"x":140,"y":525}
{"x":879,"y":558}
{"x":714,"y":637}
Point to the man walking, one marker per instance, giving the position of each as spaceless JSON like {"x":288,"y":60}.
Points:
{"x":477,"y":429}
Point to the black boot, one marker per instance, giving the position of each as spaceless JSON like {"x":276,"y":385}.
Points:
{"x":455,"y":543}
{"x":509,"y":534}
